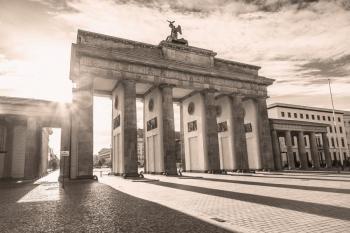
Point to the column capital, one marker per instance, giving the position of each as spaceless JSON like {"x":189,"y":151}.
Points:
{"x":236,"y":94}
{"x":207,"y":90}
{"x":166,"y":85}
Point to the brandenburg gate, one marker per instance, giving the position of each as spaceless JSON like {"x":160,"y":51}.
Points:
{"x":223,"y":113}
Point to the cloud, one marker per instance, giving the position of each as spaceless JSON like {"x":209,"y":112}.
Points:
{"x":299,"y":43}
{"x":328,"y":68}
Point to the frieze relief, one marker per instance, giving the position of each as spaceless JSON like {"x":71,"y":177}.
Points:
{"x":298,"y":128}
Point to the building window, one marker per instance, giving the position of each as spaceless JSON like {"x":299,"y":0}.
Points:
{"x":340,"y":129}
{"x":329,"y":118}
{"x":282,"y":114}
{"x":337,"y":142}
{"x":330,"y":129}
{"x":295,"y":115}
{"x":342,"y":142}
{"x":305,"y":141}
{"x":313,"y":117}
{"x":307,"y":116}
{"x":301,"y":115}
{"x":293,"y":142}
{"x":335,"y":129}
{"x":318,"y":117}
{"x":324,"y":118}
{"x":332,"y":142}
{"x":339,"y":120}
{"x":289,"y":115}
{"x":318,"y":141}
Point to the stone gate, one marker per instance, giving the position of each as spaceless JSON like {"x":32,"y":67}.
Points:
{"x":224,"y":122}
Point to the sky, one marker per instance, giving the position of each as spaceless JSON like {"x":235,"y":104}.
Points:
{"x":300,"y":44}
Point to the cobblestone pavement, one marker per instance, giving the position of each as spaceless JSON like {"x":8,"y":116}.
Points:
{"x":263,"y":202}
{"x":86,"y":206}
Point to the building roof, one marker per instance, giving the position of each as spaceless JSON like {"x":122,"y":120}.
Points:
{"x":104,"y":150}
{"x":302,"y":107}
{"x":295,"y":125}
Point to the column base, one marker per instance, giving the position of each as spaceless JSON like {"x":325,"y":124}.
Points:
{"x":154,"y":173}
{"x":86,"y":177}
{"x":125,"y":175}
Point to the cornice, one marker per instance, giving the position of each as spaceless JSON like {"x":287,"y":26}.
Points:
{"x":187,"y":48}
{"x":113,"y":38}
{"x":115,"y":55}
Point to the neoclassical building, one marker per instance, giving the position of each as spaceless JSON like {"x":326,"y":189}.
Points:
{"x":24,"y":132}
{"x":306,"y":136}
{"x":224,"y":121}
{"x":223,"y":112}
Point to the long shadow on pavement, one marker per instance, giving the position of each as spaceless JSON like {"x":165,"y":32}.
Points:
{"x":301,"y":206}
{"x":301,"y":187}
{"x":319,"y":175}
{"x":92,"y":207}
{"x":273,"y":176}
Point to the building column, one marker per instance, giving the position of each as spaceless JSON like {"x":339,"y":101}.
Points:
{"x":212,"y":141}
{"x":314,"y":151}
{"x":290,"y":157}
{"x":130,"y":129}
{"x":266,"y":152}
{"x":144,"y":137}
{"x":302,"y":151}
{"x":82,"y":130}
{"x":168,"y":129}
{"x":8,"y":148}
{"x":240,"y":141}
{"x":65,"y":145}
{"x":276,"y":150}
{"x":182,"y":139}
{"x":2,"y":148}
{"x":327,"y":154}
{"x":124,"y":129}
{"x":31,"y":163}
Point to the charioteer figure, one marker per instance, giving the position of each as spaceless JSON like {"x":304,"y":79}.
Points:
{"x":173,"y":35}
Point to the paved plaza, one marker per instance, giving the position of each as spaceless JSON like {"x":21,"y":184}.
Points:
{"x":195,"y":202}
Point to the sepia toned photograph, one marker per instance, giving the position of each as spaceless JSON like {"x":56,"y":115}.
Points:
{"x":168,"y":116}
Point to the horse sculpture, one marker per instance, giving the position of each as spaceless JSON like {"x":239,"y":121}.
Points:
{"x":173,"y":35}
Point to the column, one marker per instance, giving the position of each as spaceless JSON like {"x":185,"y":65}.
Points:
{"x":212,"y":141}
{"x":327,"y":154}
{"x":144,"y":137}
{"x":264,"y":135}
{"x":2,"y":148}
{"x":168,"y":129}
{"x":65,"y":144}
{"x":314,"y":151}
{"x":276,"y":150}
{"x":240,"y":142}
{"x":130,"y":129}
{"x":182,"y":139}
{"x":302,"y":151}
{"x":31,"y":149}
{"x":82,"y":129}
{"x":290,"y":157}
{"x":8,"y":148}
{"x":124,"y":129}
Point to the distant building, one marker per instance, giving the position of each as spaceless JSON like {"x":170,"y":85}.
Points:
{"x":140,"y":148}
{"x":105,"y":153}
{"x":336,"y":128}
{"x":347,"y":126}
{"x":25,"y":126}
